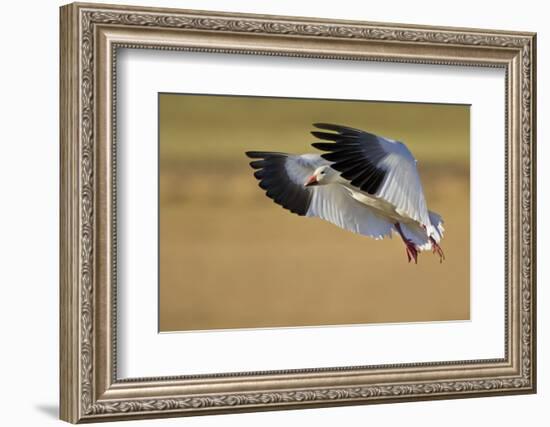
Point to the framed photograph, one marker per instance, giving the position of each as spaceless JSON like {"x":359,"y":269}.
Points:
{"x":266,"y":212}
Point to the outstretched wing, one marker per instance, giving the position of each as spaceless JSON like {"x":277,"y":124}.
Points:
{"x":381,"y":167}
{"x":283,"y":177}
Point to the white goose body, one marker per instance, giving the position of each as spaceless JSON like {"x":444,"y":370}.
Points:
{"x":364,"y":183}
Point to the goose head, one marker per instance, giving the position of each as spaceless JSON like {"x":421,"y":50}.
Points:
{"x":321,"y":176}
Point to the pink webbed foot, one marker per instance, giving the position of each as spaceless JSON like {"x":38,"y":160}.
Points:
{"x":412,"y":251}
{"x":436,"y":249}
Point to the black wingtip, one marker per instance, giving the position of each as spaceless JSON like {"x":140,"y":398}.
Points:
{"x":327,"y":136}
{"x":257,"y":164}
{"x":324,"y":146}
{"x":264,"y":154}
{"x":330,"y":126}
{"x":326,"y":126}
{"x":336,"y":128}
{"x":254,"y":154}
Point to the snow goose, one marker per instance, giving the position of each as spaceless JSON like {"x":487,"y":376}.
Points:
{"x":362,"y":182}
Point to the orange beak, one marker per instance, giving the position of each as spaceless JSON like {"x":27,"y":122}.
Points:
{"x":312,"y":180}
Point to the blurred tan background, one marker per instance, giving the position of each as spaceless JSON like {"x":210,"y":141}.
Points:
{"x":231,"y":258}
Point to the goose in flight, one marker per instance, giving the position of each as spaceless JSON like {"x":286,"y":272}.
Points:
{"x":362,"y":182}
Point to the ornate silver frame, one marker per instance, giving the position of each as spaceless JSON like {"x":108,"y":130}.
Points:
{"x":90,"y":36}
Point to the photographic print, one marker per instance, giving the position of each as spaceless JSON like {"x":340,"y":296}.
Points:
{"x":286,"y":212}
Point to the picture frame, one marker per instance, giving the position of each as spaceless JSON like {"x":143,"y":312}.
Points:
{"x":91,"y":37}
